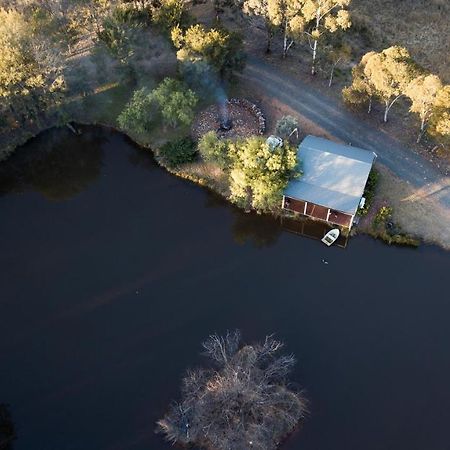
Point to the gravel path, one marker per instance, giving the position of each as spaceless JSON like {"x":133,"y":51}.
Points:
{"x":331,"y":115}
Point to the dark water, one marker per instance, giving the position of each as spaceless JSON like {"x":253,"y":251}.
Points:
{"x":113,"y":272}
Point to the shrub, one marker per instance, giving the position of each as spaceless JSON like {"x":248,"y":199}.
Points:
{"x":178,"y":152}
{"x":213,"y":149}
{"x":369,"y":191}
{"x":138,"y":113}
{"x":285,"y":126}
{"x":383,"y":214}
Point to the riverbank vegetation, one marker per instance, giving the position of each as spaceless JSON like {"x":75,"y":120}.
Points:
{"x":242,"y":400}
{"x":383,"y":227}
{"x":255,"y":174}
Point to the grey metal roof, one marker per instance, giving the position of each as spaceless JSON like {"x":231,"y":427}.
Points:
{"x":334,"y":175}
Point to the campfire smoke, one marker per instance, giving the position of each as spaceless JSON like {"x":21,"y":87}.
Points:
{"x":225,"y":122}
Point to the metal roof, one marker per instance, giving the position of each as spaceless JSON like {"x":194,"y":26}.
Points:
{"x":334,"y":175}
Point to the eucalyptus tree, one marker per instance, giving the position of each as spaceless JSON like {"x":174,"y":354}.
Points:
{"x":31,"y":68}
{"x":384,"y":76}
{"x":287,"y":15}
{"x":440,"y":119}
{"x":362,"y":90}
{"x":423,"y":92}
{"x":323,"y":16}
{"x":390,"y":72}
{"x":284,"y":15}
{"x":338,"y":54}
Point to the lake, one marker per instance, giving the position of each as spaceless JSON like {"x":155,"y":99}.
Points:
{"x":113,"y":272}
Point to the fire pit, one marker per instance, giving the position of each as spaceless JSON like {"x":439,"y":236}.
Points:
{"x":226,"y":124}
{"x":233,"y":118}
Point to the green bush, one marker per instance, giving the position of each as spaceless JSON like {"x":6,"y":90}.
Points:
{"x":179,"y":152}
{"x":369,"y":191}
{"x":285,"y":126}
{"x":383,"y":214}
{"x":213,"y":149}
{"x":176,"y":102}
{"x":138,"y":114}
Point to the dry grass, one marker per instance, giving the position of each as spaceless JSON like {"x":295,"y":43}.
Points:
{"x":416,"y":211}
{"x":422,"y":26}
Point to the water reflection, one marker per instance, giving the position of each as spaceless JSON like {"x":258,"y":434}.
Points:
{"x":57,"y":164}
{"x":259,"y":230}
{"x":313,"y":229}
{"x":7,"y":429}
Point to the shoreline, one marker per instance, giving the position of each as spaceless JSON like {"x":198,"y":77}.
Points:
{"x":196,"y":173}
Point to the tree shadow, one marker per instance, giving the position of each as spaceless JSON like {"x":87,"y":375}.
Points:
{"x":260,"y":230}
{"x":58,"y":164}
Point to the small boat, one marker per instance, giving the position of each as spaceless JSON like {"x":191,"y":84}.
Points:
{"x":331,"y":237}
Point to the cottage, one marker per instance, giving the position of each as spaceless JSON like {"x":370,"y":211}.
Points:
{"x":333,"y":181}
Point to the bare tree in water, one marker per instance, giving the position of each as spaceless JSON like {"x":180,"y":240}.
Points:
{"x":244,"y":402}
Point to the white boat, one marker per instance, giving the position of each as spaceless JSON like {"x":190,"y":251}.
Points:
{"x":331,"y":237}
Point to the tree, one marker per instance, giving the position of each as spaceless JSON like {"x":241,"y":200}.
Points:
{"x":259,"y":174}
{"x":91,"y":13}
{"x":440,"y":119}
{"x":138,"y":113}
{"x":242,"y":402}
{"x":390,"y":72}
{"x":259,"y":9}
{"x":285,"y":14}
{"x":422,"y":91}
{"x":220,"y":49}
{"x":31,"y":69}
{"x":213,"y":149}
{"x":321,"y":16}
{"x":362,"y":89}
{"x":338,"y":54}
{"x":176,"y":102}
{"x":170,"y":14}
{"x":120,"y":35}
{"x":286,"y":126}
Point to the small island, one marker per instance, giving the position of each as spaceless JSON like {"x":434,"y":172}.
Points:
{"x":242,"y":401}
